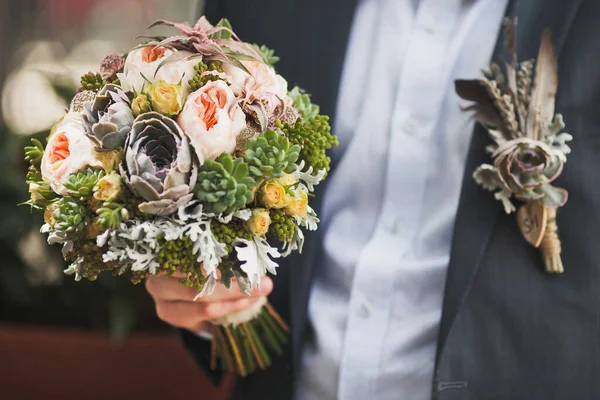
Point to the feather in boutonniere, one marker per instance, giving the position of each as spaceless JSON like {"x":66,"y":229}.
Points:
{"x":529,"y":146}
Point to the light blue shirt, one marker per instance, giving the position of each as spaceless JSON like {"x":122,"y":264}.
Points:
{"x":390,"y":207}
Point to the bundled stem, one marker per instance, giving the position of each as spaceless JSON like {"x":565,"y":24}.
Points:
{"x":551,"y":246}
{"x":241,"y":348}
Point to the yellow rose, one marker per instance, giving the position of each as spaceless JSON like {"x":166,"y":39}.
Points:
{"x":141,"y":105}
{"x":259,"y":222}
{"x":287,"y":180}
{"x":108,"y":188}
{"x":298,"y":205}
{"x":274,"y":195}
{"x":49,"y":214}
{"x":34,"y":191}
{"x":165,"y":98}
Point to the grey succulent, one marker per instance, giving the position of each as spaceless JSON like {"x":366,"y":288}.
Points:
{"x":524,"y":168}
{"x":158,"y":165}
{"x":108,"y":118}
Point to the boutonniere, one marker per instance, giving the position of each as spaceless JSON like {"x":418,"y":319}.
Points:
{"x":529,"y":146}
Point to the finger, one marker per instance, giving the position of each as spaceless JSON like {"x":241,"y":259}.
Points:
{"x":193,"y":316}
{"x":169,"y":289}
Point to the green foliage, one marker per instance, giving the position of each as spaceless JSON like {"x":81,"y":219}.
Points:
{"x":178,"y":254}
{"x":82,"y":183}
{"x":71,"y":216}
{"x":270,"y":155}
{"x":198,"y":80}
{"x":268,"y":55}
{"x":302,"y":102}
{"x":283,"y":227}
{"x":228,"y":233}
{"x":110,"y":215}
{"x":33,"y":178}
{"x":92,"y":81}
{"x":315,"y":138}
{"x":225,"y":184}
{"x":225,"y":33}
{"x":34,"y":153}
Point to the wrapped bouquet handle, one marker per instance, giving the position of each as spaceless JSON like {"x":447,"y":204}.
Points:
{"x":187,"y":153}
{"x":245,"y":341}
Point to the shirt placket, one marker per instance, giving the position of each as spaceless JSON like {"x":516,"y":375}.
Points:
{"x":416,"y":107}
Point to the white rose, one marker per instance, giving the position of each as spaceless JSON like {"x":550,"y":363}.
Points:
{"x":263,"y":83}
{"x":68,"y":151}
{"x":212,"y":120}
{"x":145,"y":61}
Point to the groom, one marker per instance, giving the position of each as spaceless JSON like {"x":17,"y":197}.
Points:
{"x":418,"y":286}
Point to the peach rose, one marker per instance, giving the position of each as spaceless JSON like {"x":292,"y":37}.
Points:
{"x":142,"y":63}
{"x":212,"y":120}
{"x":68,"y":151}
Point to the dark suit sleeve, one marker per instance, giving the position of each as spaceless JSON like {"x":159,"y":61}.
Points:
{"x":199,"y":350}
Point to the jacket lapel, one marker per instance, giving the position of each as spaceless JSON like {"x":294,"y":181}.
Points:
{"x":478,"y":211}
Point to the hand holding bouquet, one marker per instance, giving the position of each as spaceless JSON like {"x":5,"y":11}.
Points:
{"x":188,"y":154}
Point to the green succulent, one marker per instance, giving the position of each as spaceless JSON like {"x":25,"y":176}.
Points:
{"x":70,"y":216}
{"x":198,"y":80}
{"x":224,"y":184}
{"x":303,"y":104}
{"x":268,"y":54}
{"x":34,"y":153}
{"x":270,"y":155}
{"x":110,"y":215}
{"x":92,"y":81}
{"x":82,"y":183}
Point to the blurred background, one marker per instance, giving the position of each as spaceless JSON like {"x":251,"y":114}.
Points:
{"x":57,"y":337}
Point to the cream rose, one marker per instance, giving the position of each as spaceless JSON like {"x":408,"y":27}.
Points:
{"x":68,"y":151}
{"x":165,"y":98}
{"x":144,"y":61}
{"x":274,"y":195}
{"x":288,"y":180}
{"x":212,"y":120}
{"x":262,"y":84}
{"x":108,"y":187}
{"x":298,"y":205}
{"x":259,"y":222}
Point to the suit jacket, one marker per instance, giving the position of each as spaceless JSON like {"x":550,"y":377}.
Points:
{"x":508,"y":330}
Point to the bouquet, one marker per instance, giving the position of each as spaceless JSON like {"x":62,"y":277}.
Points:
{"x":186,"y":153}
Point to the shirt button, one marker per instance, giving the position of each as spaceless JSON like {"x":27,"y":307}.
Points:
{"x":411,"y":126}
{"x":391,"y":226}
{"x":364,"y":310}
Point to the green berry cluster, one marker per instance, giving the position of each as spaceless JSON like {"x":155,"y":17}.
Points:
{"x":228,"y":233}
{"x":178,"y":255}
{"x":91,"y":81}
{"x":314,"y":138}
{"x":283,"y":227}
{"x":198,"y":81}
{"x":93,"y":263}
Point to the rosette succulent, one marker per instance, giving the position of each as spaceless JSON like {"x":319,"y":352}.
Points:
{"x":525,"y":169}
{"x":270,"y":155}
{"x":224,"y":185}
{"x":107,"y":120}
{"x":158,"y":165}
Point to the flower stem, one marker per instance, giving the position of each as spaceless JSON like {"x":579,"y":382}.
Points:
{"x":236,"y":351}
